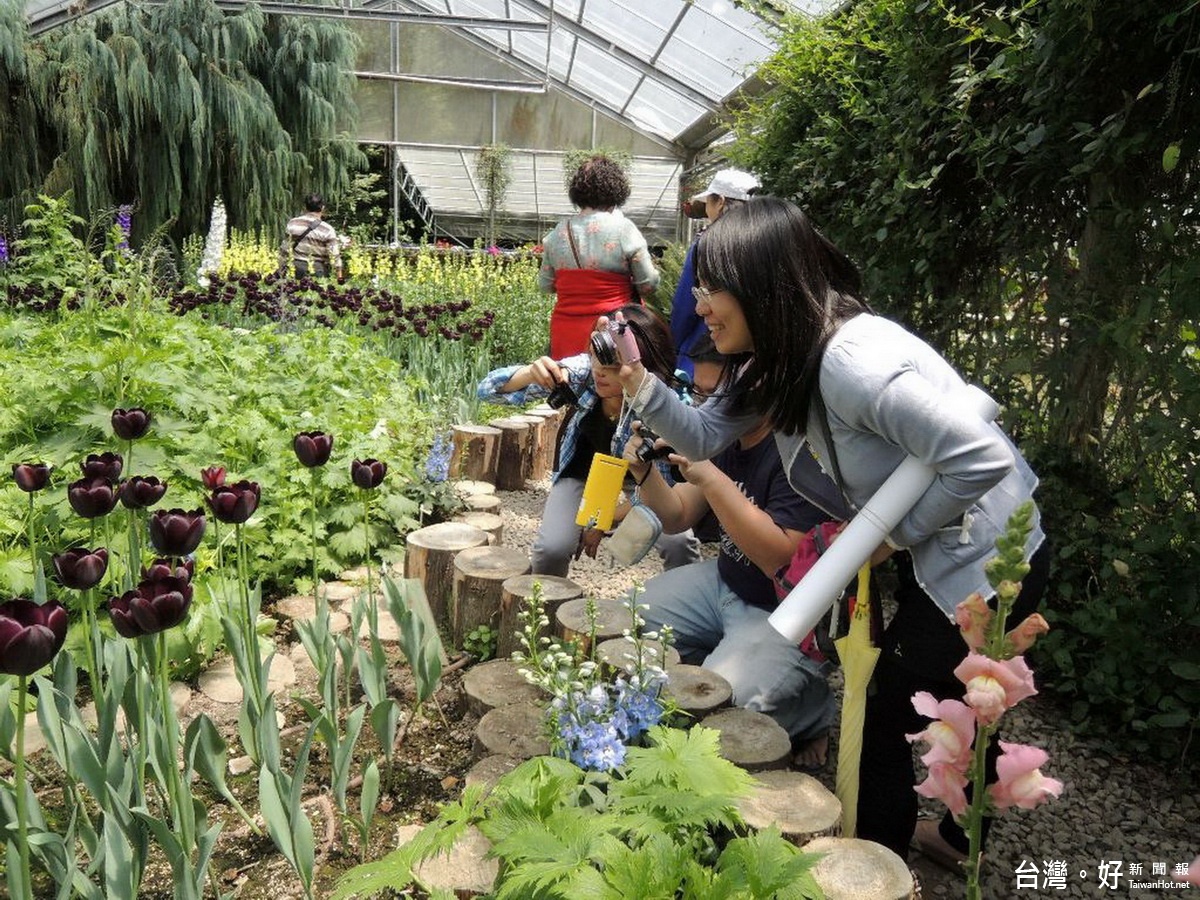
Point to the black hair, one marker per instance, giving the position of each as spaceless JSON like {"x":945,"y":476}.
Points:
{"x":314,"y":203}
{"x":794,"y":287}
{"x":599,"y":183}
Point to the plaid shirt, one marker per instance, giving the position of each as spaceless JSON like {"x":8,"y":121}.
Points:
{"x":579,"y":376}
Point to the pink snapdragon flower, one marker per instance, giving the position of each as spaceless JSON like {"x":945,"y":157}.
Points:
{"x":946,"y":783}
{"x":973,"y":617}
{"x":1020,"y":781}
{"x":949,"y":735}
{"x":994,"y":685}
{"x":1022,"y":637}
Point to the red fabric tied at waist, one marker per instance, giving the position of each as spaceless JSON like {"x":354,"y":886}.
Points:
{"x":584,"y":294}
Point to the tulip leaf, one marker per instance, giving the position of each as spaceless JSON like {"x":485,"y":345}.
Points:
{"x":120,"y":873}
{"x":385,"y":719}
{"x":343,"y":756}
{"x":206,"y":753}
{"x":270,"y":804}
{"x":368,"y":799}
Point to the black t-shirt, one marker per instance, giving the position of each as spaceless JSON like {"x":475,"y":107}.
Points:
{"x":759,"y":473}
{"x":595,"y":436}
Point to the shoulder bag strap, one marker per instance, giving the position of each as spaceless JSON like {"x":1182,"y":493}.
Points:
{"x":574,"y":247}
{"x":296,"y":240}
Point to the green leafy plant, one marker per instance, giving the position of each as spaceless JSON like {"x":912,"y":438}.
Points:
{"x":665,"y":827}
{"x":480,"y":642}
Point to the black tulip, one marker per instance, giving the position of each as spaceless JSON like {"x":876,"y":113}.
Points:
{"x":130,"y":424}
{"x":92,"y":497}
{"x":80,"y":568}
{"x":313,"y":448}
{"x":233,"y":504}
{"x":169,"y":567}
{"x":31,"y":477}
{"x":367,"y":473}
{"x":103,"y":465}
{"x":176,"y":532}
{"x":155,"y":606}
{"x":141,"y":492}
{"x":30,"y":635}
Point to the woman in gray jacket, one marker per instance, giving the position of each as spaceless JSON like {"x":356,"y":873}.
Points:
{"x":850,"y":395}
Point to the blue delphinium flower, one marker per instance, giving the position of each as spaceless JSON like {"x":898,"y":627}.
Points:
{"x":437,"y":464}
{"x":125,"y":223}
{"x":3,"y":250}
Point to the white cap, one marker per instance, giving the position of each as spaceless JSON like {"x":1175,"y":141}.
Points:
{"x":731,"y":183}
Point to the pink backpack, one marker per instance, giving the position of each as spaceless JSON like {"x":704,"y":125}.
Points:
{"x":818,"y":643}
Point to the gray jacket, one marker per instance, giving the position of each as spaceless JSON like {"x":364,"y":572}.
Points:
{"x":888,"y":395}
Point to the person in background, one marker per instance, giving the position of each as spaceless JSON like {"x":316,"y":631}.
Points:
{"x":596,"y":260}
{"x":311,"y":244}
{"x":599,"y":423}
{"x":850,"y":396}
{"x":728,"y":188}
{"x":718,"y":608}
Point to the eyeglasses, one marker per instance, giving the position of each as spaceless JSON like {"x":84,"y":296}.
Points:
{"x":702,"y":294}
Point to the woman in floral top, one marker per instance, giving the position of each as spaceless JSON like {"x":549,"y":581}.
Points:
{"x":595,"y":261}
{"x":600,"y":423}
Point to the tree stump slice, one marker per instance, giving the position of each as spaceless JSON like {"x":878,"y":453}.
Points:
{"x":429,"y":558}
{"x":537,"y":436}
{"x":485,"y":521}
{"x":515,"y":594}
{"x":488,"y":503}
{"x":616,"y":654}
{"x":489,"y":770}
{"x":515,"y":729}
{"x":469,"y":488}
{"x":497,"y":683}
{"x":697,"y":691}
{"x":612,"y":618}
{"x":479,"y":574}
{"x":475,"y":452}
{"x":464,"y":870}
{"x":751,"y":739}
{"x":543,"y":463}
{"x":513,"y":455}
{"x":798,"y":804}
{"x":860,"y":870}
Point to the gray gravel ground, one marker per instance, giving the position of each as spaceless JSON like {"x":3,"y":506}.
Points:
{"x":1116,"y":813}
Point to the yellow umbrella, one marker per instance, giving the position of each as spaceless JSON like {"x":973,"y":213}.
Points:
{"x":858,"y":656}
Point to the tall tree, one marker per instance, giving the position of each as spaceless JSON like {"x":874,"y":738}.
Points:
{"x":169,"y":106}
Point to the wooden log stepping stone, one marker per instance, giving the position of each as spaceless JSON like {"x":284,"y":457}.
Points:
{"x":497,"y":683}
{"x":429,"y":558}
{"x":357,"y":575}
{"x":485,"y":521}
{"x":513,"y":458}
{"x":475,"y":453}
{"x":488,"y":503}
{"x":514,"y":596}
{"x":612,"y":618}
{"x":543,"y":458}
{"x":616,"y":654}
{"x":468,"y":488}
{"x":751,"y":739}
{"x":489,"y":770}
{"x":697,"y":691}
{"x":464,"y":870}
{"x":479,"y":576}
{"x":537,"y":432}
{"x":860,"y":870}
{"x":515,"y":729}
{"x":798,"y":804}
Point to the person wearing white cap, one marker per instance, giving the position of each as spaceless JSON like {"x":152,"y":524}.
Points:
{"x":728,"y":188}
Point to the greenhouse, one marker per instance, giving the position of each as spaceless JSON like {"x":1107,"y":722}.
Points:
{"x":596,"y":448}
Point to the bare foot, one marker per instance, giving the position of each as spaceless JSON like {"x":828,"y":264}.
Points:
{"x":928,"y":840}
{"x":812,"y":755}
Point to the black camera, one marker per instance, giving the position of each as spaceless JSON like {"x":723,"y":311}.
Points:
{"x":604,"y":349}
{"x":646,"y":451}
{"x":561,"y":396}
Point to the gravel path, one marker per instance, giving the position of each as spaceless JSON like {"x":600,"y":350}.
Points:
{"x":1115,"y":814}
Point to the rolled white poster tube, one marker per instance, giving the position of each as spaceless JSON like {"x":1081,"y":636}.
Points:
{"x":816,"y":592}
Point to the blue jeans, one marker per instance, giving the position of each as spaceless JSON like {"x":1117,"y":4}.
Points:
{"x":558,"y":535}
{"x":716,"y":628}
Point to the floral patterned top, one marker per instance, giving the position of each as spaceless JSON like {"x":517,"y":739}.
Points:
{"x":607,"y":241}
